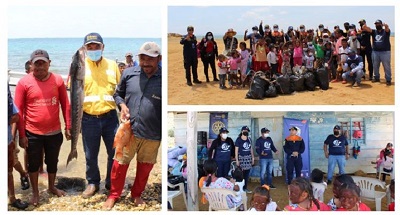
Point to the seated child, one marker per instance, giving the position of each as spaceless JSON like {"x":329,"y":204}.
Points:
{"x":349,"y":196}
{"x":387,"y":164}
{"x":261,"y":200}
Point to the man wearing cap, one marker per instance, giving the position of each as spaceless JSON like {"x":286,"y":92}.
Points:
{"x":293,"y":146}
{"x":222,"y":150}
{"x":381,"y":50}
{"x":302,"y":33}
{"x":99,"y":120}
{"x":254,"y":37}
{"x":38,"y":96}
{"x":129,"y":60}
{"x":264,"y":148}
{"x":353,"y":42}
{"x":336,"y":149}
{"x":277,"y":36}
{"x":289,"y":34}
{"x":230,"y":41}
{"x":346,"y":26}
{"x":138,"y":96}
{"x":244,"y":154}
{"x":353,"y":69}
{"x":189,"y":43}
{"x":266,"y":33}
{"x":365,"y":48}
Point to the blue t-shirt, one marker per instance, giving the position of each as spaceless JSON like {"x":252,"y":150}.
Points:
{"x":265,"y":145}
{"x":244,"y":146}
{"x":255,"y":39}
{"x":336,"y":144}
{"x":381,"y":40}
{"x":223,"y":152}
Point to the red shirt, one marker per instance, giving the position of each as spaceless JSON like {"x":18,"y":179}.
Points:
{"x":39,"y":104}
{"x":296,"y":207}
{"x":209,"y":47}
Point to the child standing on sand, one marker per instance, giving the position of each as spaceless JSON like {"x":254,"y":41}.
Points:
{"x":222,"y":70}
{"x":245,"y":55}
{"x":234,"y":63}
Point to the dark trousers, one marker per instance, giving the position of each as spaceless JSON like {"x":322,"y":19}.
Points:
{"x":274,"y":68}
{"x":367,"y":54}
{"x":246,"y":174}
{"x":223,"y":168}
{"x":293,"y":163}
{"x":209,"y":61}
{"x":190,"y":63}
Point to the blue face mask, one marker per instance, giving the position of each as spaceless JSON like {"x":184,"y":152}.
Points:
{"x":94,"y":55}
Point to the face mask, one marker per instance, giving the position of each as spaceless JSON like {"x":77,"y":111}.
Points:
{"x":245,"y":133}
{"x":378,"y":27}
{"x":321,"y":29}
{"x":94,"y":55}
{"x":305,"y":49}
{"x":336,"y":133}
{"x":276,"y":29}
{"x":224,"y":136}
{"x":209,"y":37}
{"x":302,"y":29}
{"x":310,"y":54}
{"x":267,"y":30}
{"x":266,"y":135}
{"x":325,"y":39}
{"x":353,"y":37}
{"x":255,"y":31}
{"x":351,"y":29}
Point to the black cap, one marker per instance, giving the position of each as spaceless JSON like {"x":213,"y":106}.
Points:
{"x":293,"y":128}
{"x":93,"y":38}
{"x":190,"y":28}
{"x":337,"y":127}
{"x":263,"y":130}
{"x":245,"y":128}
{"x":255,"y":28}
{"x":361,"y":21}
{"x":378,"y":21}
{"x":223,"y":129}
{"x":351,"y":51}
{"x":320,"y":25}
{"x":346,"y":23}
{"x":276,"y":26}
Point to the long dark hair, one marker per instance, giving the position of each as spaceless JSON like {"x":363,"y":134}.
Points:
{"x":210,"y":168}
{"x":306,"y":186}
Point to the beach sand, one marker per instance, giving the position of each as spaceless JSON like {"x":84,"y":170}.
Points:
{"x":76,"y":168}
{"x":209,"y":93}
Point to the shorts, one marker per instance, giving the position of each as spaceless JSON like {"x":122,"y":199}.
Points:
{"x":50,"y":144}
{"x":145,"y":149}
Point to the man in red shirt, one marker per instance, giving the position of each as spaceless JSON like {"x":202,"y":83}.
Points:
{"x":38,"y":96}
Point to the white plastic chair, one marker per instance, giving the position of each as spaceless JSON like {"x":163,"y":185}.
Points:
{"x":367,"y":186}
{"x":217,"y":199}
{"x":174,"y":193}
{"x":318,"y":190}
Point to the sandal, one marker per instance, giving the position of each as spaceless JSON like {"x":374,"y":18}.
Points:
{"x":20,"y":204}
{"x":24,"y":183}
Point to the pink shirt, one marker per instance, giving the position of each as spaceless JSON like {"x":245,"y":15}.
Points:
{"x":298,"y":52}
{"x":296,"y":207}
{"x":39,"y":104}
{"x":234,"y":62}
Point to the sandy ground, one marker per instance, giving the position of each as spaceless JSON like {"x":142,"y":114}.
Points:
{"x":76,"y":168}
{"x":210,"y":94}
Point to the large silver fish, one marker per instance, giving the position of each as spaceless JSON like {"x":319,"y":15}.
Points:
{"x":77,"y":82}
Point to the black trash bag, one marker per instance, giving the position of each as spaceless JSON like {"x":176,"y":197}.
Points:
{"x":283,"y":84}
{"x":270,"y":90}
{"x":257,"y":87}
{"x":297,"y":83}
{"x":309,"y":81}
{"x":322,"y":77}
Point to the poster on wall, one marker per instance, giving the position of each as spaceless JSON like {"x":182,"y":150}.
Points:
{"x":302,"y":126}
{"x":217,"y":121}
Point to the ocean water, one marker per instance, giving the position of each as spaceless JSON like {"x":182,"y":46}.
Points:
{"x":61,"y":50}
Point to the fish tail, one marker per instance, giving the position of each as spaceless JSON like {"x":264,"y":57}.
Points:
{"x":73,"y":154}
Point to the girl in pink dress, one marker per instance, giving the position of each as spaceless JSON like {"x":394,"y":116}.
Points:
{"x":301,"y":197}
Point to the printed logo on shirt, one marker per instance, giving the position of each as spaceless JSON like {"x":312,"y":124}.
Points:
{"x":155,"y":97}
{"x":336,"y":143}
{"x":378,"y":38}
{"x":225,"y":147}
{"x":267,"y":145}
{"x":246,"y":145}
{"x":54,"y":100}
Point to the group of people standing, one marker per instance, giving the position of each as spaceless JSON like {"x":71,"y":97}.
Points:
{"x":343,"y":52}
{"x":137,"y":94}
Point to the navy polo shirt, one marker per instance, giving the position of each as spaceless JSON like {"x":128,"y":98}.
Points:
{"x":381,"y":40}
{"x":223,"y":152}
{"x":142,"y":95}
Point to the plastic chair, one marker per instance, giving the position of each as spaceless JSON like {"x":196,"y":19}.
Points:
{"x":318,"y":190}
{"x":174,"y":193}
{"x":217,"y":199}
{"x":367,"y":186}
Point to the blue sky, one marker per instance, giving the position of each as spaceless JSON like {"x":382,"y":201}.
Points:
{"x":218,"y":19}
{"x":72,"y":20}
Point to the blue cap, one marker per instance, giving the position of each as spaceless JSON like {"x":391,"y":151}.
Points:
{"x":93,"y":38}
{"x":290,"y":28}
{"x":223,"y":129}
{"x":245,"y":128}
{"x":378,"y":21}
{"x":336,"y":127}
{"x":263,"y":130}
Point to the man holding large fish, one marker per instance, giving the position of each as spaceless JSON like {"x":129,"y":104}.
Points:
{"x":39,"y":96}
{"x":99,"y":118}
{"x":138,"y":96}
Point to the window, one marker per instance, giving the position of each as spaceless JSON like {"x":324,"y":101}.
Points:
{"x":353,"y":129}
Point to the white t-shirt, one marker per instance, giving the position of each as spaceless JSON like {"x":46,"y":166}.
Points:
{"x":270,"y":207}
